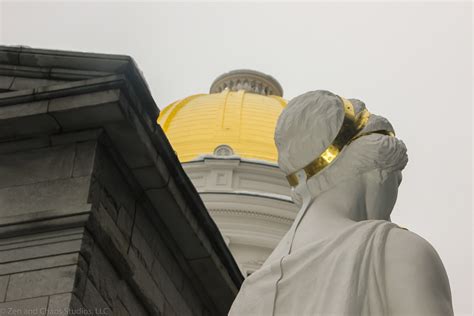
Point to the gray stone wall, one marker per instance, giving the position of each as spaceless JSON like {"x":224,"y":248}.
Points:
{"x":95,"y":208}
{"x":130,"y":237}
{"x":76,"y":236}
{"x":43,"y":204}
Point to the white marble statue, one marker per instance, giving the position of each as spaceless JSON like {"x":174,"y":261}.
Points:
{"x":343,"y":255}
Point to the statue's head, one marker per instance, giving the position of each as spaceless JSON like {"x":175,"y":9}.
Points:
{"x":330,"y":145}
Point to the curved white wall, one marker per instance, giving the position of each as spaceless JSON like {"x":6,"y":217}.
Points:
{"x":249,"y":201}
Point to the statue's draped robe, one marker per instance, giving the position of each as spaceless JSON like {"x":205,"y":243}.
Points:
{"x":339,"y":275}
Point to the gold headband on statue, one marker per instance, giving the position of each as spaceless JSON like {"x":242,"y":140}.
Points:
{"x":351,"y":126}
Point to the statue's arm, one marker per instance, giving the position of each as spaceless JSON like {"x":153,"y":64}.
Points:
{"x":416,"y":281}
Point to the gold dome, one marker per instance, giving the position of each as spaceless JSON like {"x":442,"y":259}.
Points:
{"x":245,"y":121}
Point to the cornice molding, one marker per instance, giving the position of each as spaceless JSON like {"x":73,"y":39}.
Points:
{"x":266,"y":216}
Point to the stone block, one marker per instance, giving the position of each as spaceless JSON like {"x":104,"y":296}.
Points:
{"x":6,"y":82}
{"x":128,"y":144}
{"x":85,"y":158}
{"x":177,"y":194}
{"x":194,"y":300}
{"x":104,"y":225}
{"x":22,"y":83}
{"x":114,"y":182}
{"x":172,"y":293}
{"x":23,"y":109}
{"x":125,"y":221}
{"x":120,"y":310}
{"x":24,"y":144}
{"x":94,"y":302}
{"x":104,"y":277}
{"x":84,"y":100}
{"x":14,"y":226}
{"x":89,"y":110}
{"x":205,"y":272}
{"x":162,"y":168}
{"x":169,"y":310}
{"x":65,"y":194}
{"x":140,"y":114}
{"x":87,"y":246}
{"x":37,"y":165}
{"x":21,"y":71}
{"x":172,"y":216}
{"x":76,"y":307}
{"x":59,"y":304}
{"x":37,"y":263}
{"x":16,"y":97}
{"x":48,"y":249}
{"x":148,"y":227}
{"x":34,"y":239}
{"x":75,"y":74}
{"x":144,"y":131}
{"x":67,"y":60}
{"x":142,"y":249}
{"x":76,"y":136}
{"x":20,"y":127}
{"x":129,"y":301}
{"x":32,"y":306}
{"x":152,"y":295}
{"x":41,"y":282}
{"x":10,"y":54}
{"x":163,"y":250}
{"x":111,"y":240}
{"x":149,"y":177}
{"x":80,"y":279}
{"x":107,"y":203}
{"x":3,"y":286}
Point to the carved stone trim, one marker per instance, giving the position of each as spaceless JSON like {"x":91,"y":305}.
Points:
{"x":271,"y":196}
{"x":276,"y":218}
{"x":248,"y":80}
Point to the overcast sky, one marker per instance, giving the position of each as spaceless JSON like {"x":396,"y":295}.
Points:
{"x":408,"y":62}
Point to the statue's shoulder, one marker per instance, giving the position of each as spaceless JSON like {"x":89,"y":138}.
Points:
{"x":416,"y":281}
{"x":407,"y":252}
{"x":402,"y":242}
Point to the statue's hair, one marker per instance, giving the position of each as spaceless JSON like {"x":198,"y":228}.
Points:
{"x":308,"y":126}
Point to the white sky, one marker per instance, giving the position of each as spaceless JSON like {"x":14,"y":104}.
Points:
{"x":408,"y":62}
